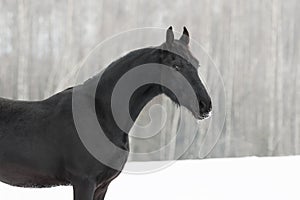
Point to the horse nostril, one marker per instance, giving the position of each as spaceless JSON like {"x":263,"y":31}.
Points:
{"x":202,"y":105}
{"x":205,"y":106}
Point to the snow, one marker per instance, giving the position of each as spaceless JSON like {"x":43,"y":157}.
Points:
{"x":211,"y":179}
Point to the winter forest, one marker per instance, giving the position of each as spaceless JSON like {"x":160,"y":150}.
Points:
{"x":254,"y":44}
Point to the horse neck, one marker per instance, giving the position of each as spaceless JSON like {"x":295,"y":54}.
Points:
{"x":138,"y":100}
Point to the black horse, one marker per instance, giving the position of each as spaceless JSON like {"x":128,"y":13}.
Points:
{"x":39,"y":143}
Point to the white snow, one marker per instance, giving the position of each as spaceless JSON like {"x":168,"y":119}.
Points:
{"x":211,"y":179}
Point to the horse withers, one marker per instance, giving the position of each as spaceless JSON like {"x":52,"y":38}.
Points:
{"x":39,"y":142}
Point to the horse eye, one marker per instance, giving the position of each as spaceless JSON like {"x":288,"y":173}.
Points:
{"x":177,"y":67}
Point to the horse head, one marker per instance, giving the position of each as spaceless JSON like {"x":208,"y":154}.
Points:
{"x":177,"y":55}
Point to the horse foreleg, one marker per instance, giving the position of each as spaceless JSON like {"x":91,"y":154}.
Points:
{"x":84,"y":190}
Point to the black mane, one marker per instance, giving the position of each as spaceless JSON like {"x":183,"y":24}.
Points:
{"x":126,"y":58}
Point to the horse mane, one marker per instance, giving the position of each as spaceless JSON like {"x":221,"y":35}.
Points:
{"x":127,"y":57}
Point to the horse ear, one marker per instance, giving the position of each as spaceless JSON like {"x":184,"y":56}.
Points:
{"x":185,"y":38}
{"x":170,"y":35}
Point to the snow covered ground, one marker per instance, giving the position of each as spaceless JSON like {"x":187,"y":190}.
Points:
{"x":212,"y":179}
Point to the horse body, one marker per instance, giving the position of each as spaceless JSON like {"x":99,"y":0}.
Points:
{"x":26,"y":139}
{"x":39,"y":143}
